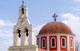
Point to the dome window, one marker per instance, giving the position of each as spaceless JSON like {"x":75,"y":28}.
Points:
{"x":63,"y":42}
{"x":53,"y":42}
{"x":71,"y":44}
{"x":43,"y":43}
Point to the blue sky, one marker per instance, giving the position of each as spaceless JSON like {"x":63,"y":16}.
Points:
{"x":40,"y":12}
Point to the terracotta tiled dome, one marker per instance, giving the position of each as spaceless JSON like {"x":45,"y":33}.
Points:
{"x":55,"y":27}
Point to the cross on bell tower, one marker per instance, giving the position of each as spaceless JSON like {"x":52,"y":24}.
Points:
{"x":54,"y":16}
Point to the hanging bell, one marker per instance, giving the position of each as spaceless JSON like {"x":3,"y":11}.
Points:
{"x":19,"y":33}
{"x":22,"y":10}
{"x":27,"y":32}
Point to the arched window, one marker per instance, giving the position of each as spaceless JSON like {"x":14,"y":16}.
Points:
{"x":71,"y":45}
{"x":53,"y":42}
{"x":43,"y":43}
{"x":63,"y":42}
{"x":22,"y":10}
{"x":27,"y":32}
{"x":18,"y":36}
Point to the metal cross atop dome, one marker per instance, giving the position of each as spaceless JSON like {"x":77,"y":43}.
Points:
{"x":54,"y":16}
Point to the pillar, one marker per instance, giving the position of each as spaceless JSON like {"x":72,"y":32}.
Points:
{"x":20,"y":14}
{"x":47,"y":42}
{"x":31,"y":35}
{"x":58,"y":42}
{"x":23,"y":38}
{"x":26,"y":12}
{"x":15,"y":39}
{"x":68,"y":47}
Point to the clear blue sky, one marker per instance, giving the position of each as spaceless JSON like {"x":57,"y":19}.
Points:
{"x":40,"y":12}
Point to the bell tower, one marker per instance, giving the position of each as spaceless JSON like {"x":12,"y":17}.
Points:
{"x":23,"y":30}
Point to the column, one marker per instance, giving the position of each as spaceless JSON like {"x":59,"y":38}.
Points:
{"x":58,"y":42}
{"x":31,"y":35}
{"x":25,"y":12}
{"x":20,"y":12}
{"x":23,"y":38}
{"x":15,"y":39}
{"x":68,"y":47}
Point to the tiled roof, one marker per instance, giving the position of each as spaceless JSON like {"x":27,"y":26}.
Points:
{"x":55,"y":27}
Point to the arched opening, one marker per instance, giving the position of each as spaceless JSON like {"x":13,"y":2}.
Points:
{"x":22,"y":10}
{"x":53,"y":42}
{"x":19,"y":36}
{"x":19,"y":33}
{"x":43,"y":43}
{"x":27,"y":32}
{"x":63,"y":42}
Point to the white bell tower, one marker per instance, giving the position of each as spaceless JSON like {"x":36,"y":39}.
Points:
{"x":21,"y":30}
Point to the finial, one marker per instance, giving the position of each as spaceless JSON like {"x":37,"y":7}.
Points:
{"x":54,"y":16}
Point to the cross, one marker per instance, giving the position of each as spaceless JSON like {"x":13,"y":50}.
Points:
{"x":54,"y":16}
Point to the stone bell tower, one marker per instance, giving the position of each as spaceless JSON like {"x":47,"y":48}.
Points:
{"x":23,"y":30}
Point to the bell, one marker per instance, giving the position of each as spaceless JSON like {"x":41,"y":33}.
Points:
{"x":19,"y":32}
{"x":22,"y":10}
{"x":19,"y":35}
{"x":27,"y":32}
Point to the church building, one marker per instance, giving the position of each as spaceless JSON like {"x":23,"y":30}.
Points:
{"x":54,"y":36}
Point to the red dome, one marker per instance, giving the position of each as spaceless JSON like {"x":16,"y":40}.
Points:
{"x":55,"y":27}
